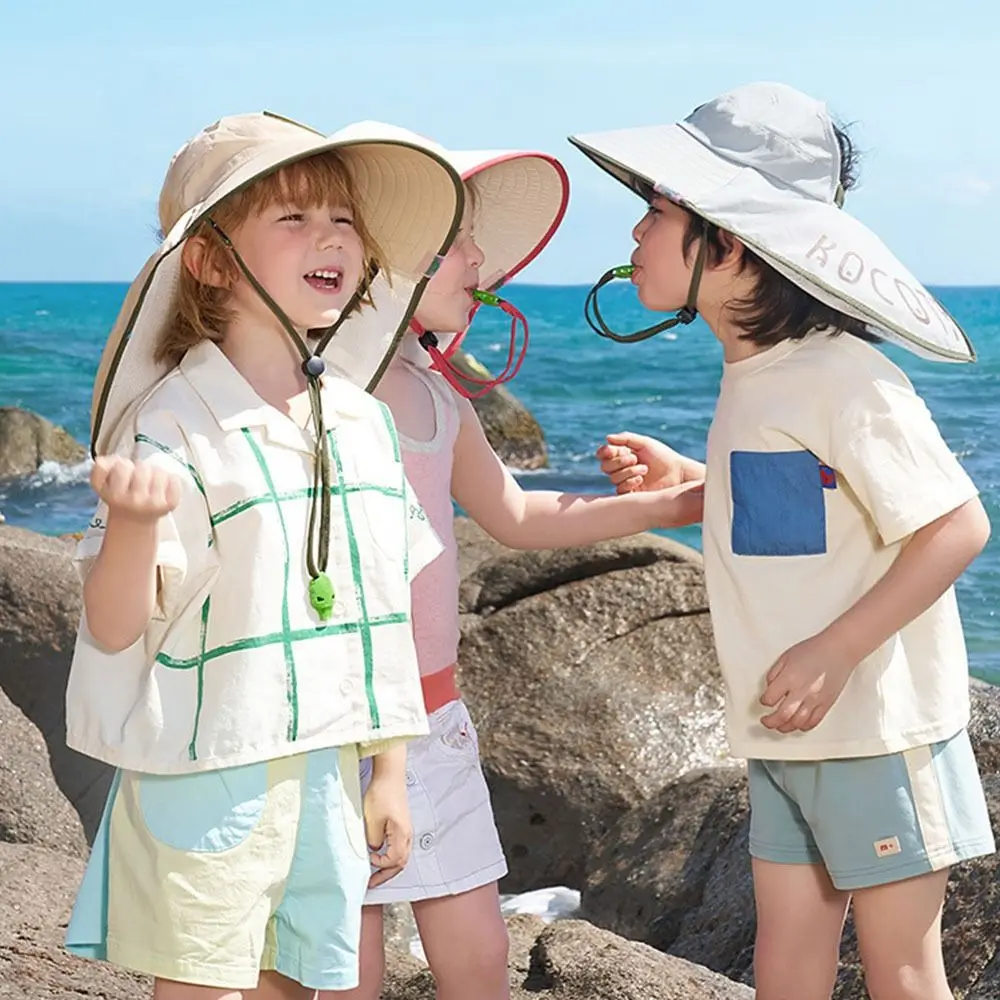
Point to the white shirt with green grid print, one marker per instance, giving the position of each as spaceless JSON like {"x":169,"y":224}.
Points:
{"x":236,"y":666}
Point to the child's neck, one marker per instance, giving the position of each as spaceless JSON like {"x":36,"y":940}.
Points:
{"x":266,"y":357}
{"x":735,"y":346}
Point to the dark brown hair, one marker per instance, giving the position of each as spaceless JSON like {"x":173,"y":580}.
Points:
{"x":777,"y":309}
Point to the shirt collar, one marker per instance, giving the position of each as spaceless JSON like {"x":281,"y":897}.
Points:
{"x":234,"y":403}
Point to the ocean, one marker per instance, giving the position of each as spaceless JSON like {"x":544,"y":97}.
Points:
{"x":579,"y":386}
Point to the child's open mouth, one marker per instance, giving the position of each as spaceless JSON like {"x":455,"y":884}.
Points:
{"x":325,"y":280}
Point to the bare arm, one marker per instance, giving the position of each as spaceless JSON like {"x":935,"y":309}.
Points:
{"x":808,"y":678}
{"x":931,"y":561}
{"x":545,"y":519}
{"x":119,"y":594}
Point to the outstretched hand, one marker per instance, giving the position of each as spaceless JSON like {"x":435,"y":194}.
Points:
{"x":635,"y":462}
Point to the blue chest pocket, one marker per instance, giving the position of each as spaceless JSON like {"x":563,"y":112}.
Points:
{"x":778,"y":503}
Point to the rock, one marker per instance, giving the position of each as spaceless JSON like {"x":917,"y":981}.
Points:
{"x":406,"y":977}
{"x":399,"y":927}
{"x":984,"y":727}
{"x":39,"y":609}
{"x":514,"y":434}
{"x":649,"y":873}
{"x":37,"y":887}
{"x":27,"y":440}
{"x":523,"y":929}
{"x":32,"y":808}
{"x":682,"y":866}
{"x":592,"y":678}
{"x":475,"y":547}
{"x":572,"y":960}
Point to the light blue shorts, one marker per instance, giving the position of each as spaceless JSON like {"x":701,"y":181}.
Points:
{"x":208,"y":878}
{"x":872,"y":820}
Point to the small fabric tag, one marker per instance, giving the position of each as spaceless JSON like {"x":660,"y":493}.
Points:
{"x":828,"y":477}
{"x":888,"y":847}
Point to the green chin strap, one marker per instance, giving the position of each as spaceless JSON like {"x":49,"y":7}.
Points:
{"x":684,"y":316}
{"x":321,"y":592}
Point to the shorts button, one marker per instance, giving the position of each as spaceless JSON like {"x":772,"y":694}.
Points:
{"x":346,"y":686}
{"x":339,"y":609}
{"x":427,"y":841}
{"x":410,"y":778}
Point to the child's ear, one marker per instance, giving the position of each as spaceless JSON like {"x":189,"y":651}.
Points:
{"x":733,"y":257}
{"x":198,"y":258}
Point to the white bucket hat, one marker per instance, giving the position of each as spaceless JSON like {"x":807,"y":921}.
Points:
{"x":763,"y":163}
{"x":410,"y":198}
{"x":520,"y":200}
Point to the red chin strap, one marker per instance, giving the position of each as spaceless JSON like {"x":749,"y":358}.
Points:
{"x":458,"y":380}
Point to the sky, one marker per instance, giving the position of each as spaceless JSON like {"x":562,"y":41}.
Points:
{"x":99,"y":95}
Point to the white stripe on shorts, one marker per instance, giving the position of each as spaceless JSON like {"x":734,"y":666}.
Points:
{"x":929,"y":806}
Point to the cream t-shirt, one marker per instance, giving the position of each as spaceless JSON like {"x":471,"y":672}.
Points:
{"x":822,"y":461}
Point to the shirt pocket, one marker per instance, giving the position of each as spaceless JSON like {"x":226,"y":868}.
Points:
{"x":374,"y":502}
{"x":778,"y":503}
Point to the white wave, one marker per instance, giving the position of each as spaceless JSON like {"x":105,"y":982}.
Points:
{"x":55,"y":474}
{"x":558,"y":903}
{"x":41,"y":312}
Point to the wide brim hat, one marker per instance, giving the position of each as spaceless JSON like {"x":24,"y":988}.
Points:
{"x":763,"y":163}
{"x":410,"y":198}
{"x":520,"y":199}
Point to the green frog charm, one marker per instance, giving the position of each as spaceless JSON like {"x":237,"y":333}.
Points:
{"x":321,"y":596}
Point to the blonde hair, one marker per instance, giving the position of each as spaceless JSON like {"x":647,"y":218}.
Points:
{"x":202,"y":310}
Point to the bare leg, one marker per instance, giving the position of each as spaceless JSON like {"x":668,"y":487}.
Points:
{"x":899,"y":936}
{"x":800,"y":919}
{"x":465,"y":940}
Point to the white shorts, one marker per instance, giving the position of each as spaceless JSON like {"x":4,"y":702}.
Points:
{"x":456,"y":846}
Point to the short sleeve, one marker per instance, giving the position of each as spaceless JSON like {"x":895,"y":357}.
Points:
{"x":888,"y":447}
{"x":422,"y":543}
{"x":185,"y":547}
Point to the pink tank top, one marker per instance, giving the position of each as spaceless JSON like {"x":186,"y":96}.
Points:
{"x":428,"y":467}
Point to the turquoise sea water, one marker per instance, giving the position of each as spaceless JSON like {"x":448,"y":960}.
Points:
{"x":578,"y":386}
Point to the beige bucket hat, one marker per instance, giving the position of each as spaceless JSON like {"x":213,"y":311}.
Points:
{"x":410,"y":197}
{"x":520,"y":198}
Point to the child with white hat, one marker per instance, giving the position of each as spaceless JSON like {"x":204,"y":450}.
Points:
{"x":836,"y":522}
{"x":246,"y":631}
{"x":515,"y":201}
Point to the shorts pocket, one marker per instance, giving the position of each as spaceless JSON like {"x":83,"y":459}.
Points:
{"x":778,"y":503}
{"x":208,"y":812}
{"x":455,"y":732}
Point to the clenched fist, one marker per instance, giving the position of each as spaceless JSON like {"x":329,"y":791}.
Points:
{"x":135,"y":490}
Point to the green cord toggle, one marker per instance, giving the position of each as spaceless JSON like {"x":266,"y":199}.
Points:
{"x":623,"y":270}
{"x":487,"y":298}
{"x":321,"y":596}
